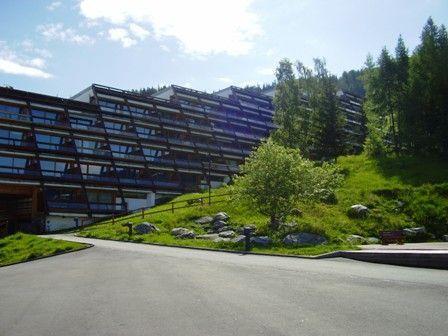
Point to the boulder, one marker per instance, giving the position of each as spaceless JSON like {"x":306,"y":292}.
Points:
{"x":261,"y":240}
{"x":224,"y":228}
{"x":220,"y":216}
{"x":239,"y":239}
{"x":358,"y":211}
{"x":356,"y":240}
{"x":218,"y":225}
{"x":372,"y":240}
{"x":227,"y":234}
{"x":221,"y":239}
{"x":145,"y":227}
{"x":204,"y":220}
{"x":210,"y":236}
{"x":411,"y":232}
{"x":183,"y":233}
{"x":252,"y":227}
{"x":304,"y":238}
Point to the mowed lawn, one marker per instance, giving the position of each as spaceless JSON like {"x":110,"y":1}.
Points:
{"x":400,"y":192}
{"x":24,"y":247}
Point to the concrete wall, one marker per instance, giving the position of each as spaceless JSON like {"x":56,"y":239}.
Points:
{"x":136,"y":203}
{"x":56,"y":223}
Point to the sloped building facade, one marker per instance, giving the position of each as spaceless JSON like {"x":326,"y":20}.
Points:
{"x":66,"y":162}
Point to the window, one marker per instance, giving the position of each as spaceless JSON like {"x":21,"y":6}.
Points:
{"x":13,"y":138}
{"x":44,"y":117}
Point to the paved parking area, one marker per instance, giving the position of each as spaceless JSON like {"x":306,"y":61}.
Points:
{"x":120,"y":288}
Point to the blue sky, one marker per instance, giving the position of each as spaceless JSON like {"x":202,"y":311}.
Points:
{"x":61,"y":47}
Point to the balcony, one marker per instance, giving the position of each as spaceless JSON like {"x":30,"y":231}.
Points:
{"x":188,"y":164}
{"x":19,"y":171}
{"x":106,"y":207}
{"x":61,"y":175}
{"x":56,"y":147}
{"x":127,"y":156}
{"x":94,"y":151}
{"x":14,"y":116}
{"x":88,"y":128}
{"x":135,"y":181}
{"x":99,"y":178}
{"x":16,"y":142}
{"x":66,"y":205}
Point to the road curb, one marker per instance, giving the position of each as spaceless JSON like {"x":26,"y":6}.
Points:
{"x":334,"y":254}
{"x":409,"y":258}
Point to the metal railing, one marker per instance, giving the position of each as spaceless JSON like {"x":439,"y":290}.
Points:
{"x":142,"y":213}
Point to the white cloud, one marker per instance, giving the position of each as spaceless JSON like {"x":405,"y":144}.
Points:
{"x":268,"y":71}
{"x":121,"y":35}
{"x":226,"y":80}
{"x":164,"y":47}
{"x":37,"y":62}
{"x":57,"y":31}
{"x":14,"y":68}
{"x":201,"y":27}
{"x":14,"y":64}
{"x":55,"y":4}
{"x":28,"y":46}
{"x":138,"y":31}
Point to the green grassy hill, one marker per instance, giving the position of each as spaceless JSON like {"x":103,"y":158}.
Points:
{"x":400,"y":192}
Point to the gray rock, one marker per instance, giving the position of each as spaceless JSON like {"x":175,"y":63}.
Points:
{"x":239,"y":239}
{"x":372,"y":240}
{"x":218,"y":225}
{"x":204,"y":220}
{"x":304,"y":238}
{"x":261,"y":240}
{"x":220,"y":216}
{"x":210,"y":236}
{"x":224,"y":228}
{"x":183,"y":233}
{"x":356,"y":240}
{"x":414,"y":231}
{"x":187,"y":235}
{"x":227,"y":234}
{"x":445,"y":238}
{"x":221,"y":239}
{"x":145,"y":227}
{"x":358,"y":211}
{"x":252,"y":227}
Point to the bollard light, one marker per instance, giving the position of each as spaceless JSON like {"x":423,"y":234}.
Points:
{"x":247,"y":232}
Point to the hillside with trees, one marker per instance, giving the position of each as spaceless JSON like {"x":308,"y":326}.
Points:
{"x":407,"y":97}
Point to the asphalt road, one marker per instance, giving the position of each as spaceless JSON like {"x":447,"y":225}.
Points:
{"x":129,"y":289}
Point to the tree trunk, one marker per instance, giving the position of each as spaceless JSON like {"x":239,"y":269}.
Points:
{"x":274,"y":224}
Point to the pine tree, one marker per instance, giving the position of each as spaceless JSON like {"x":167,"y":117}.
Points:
{"x":328,"y":122}
{"x":288,"y":108}
{"x":400,"y":93}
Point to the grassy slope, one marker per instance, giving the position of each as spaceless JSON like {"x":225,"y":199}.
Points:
{"x":377,"y":184}
{"x":23,"y":247}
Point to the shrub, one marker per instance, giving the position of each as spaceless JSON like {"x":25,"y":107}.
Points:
{"x":274,"y":178}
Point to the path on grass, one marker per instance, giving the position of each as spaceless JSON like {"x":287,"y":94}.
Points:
{"x":118,"y":288}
